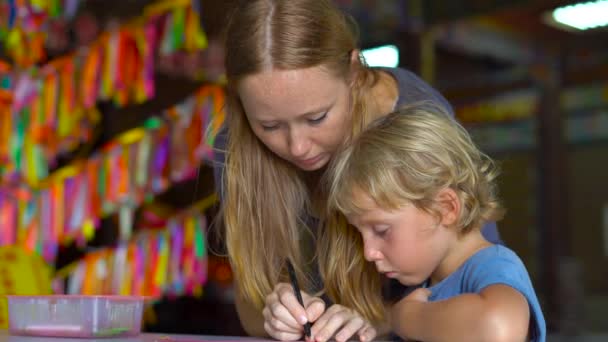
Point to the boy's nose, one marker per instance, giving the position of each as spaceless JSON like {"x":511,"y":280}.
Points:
{"x":371,"y":254}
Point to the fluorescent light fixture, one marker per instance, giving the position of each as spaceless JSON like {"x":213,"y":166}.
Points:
{"x":382,"y":56}
{"x":584,"y":15}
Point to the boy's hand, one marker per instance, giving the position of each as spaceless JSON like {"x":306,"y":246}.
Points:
{"x":418,"y":295}
{"x":284,"y":317}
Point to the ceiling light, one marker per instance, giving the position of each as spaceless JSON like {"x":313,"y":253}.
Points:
{"x":582,"y":16}
{"x":382,"y":56}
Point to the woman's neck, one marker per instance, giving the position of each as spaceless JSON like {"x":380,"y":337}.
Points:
{"x":386,"y":93}
{"x":312,"y":180}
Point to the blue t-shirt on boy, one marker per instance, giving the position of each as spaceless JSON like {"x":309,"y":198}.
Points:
{"x":490,"y":266}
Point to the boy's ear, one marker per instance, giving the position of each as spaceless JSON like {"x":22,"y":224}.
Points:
{"x":449,"y":204}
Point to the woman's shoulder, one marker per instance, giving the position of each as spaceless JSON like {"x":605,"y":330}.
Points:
{"x":404,"y":77}
{"x":412,"y":88}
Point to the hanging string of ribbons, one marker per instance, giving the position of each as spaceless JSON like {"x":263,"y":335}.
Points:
{"x":138,"y":164}
{"x":25,"y":25}
{"x":169,"y":261}
{"x":52,"y":108}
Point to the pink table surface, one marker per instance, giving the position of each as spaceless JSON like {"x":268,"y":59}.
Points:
{"x":6,"y":337}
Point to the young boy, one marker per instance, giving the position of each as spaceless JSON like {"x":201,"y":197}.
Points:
{"x":418,"y":190}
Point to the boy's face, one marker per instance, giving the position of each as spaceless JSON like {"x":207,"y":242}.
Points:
{"x":407,"y":244}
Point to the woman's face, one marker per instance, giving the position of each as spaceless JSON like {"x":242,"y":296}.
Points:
{"x":301,"y":115}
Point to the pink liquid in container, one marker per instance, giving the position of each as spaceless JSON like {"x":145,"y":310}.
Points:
{"x":75,"y":315}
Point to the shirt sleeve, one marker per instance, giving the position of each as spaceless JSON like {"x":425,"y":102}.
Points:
{"x":502,"y":269}
{"x":507,"y":269}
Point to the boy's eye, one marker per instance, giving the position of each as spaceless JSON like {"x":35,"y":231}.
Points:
{"x":318,"y":119}
{"x":381,"y":230}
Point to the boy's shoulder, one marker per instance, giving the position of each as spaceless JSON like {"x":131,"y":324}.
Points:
{"x":492,"y":254}
{"x":491,"y":265}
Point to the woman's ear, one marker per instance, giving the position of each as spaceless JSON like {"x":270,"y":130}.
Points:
{"x":355,"y":64}
{"x":355,"y":58}
{"x":449,"y":204}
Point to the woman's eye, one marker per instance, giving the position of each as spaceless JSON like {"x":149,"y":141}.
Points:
{"x":270,"y":127}
{"x":318,"y":119}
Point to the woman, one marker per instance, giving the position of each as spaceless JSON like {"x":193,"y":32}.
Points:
{"x":297,"y":90}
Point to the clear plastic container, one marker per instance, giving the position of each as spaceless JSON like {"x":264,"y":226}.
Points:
{"x":75,"y":316}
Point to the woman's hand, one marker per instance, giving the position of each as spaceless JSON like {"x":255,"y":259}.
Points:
{"x":284,"y":317}
{"x":342,"y":324}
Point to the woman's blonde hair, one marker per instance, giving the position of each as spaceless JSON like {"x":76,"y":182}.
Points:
{"x":408,"y":156}
{"x":265,"y":199}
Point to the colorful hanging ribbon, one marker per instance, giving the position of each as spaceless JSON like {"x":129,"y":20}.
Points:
{"x":24,"y":33}
{"x":69,"y":204}
{"x":171,"y":261}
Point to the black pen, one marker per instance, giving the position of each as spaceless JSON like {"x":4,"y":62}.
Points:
{"x":296,"y":290}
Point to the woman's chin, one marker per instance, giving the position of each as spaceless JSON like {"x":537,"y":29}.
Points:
{"x":313,"y":165}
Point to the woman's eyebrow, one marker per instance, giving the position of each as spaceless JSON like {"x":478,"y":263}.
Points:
{"x":316,"y":111}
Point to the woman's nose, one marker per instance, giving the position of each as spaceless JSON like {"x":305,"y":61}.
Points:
{"x":299,"y":144}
